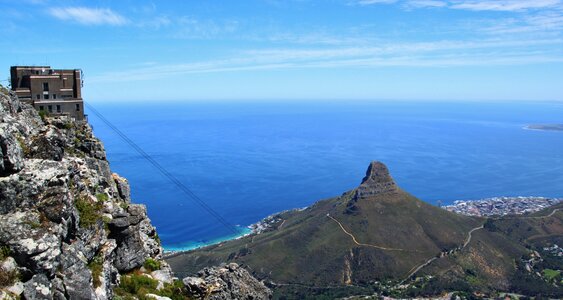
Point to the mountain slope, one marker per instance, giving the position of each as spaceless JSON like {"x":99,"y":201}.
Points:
{"x":371,"y":233}
{"x":378,"y":239}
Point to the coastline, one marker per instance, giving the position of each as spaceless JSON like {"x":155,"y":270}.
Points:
{"x":190,"y":246}
{"x":255,"y":228}
{"x":270,"y":221}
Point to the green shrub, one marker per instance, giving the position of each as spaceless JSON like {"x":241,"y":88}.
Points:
{"x":102,"y":197}
{"x":4,"y":90}
{"x":23,"y":145}
{"x":136,"y":285}
{"x":89,"y":212}
{"x":151,"y":264}
{"x":96,"y":266}
{"x":7,"y":278}
{"x":43,"y":115}
{"x":157,"y":239}
{"x":551,"y":275}
{"x":33,"y":224}
{"x":175,"y":290}
{"x":4,"y":252}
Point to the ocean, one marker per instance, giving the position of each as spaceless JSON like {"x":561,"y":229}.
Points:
{"x":248,"y":160}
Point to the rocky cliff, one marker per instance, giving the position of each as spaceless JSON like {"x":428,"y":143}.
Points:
{"x":68,"y":229}
{"x":67,"y":225}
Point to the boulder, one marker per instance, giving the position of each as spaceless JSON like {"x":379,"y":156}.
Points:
{"x":226,"y":282}
{"x":48,"y":145}
{"x":38,"y":288}
{"x":12,"y":153}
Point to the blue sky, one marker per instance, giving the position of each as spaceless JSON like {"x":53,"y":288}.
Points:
{"x":134,"y":50}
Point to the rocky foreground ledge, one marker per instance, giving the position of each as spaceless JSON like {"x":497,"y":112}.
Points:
{"x":68,"y":229}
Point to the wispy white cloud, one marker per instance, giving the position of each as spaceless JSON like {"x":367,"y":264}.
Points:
{"x":474,"y":5}
{"x":545,"y":24}
{"x":88,"y":16}
{"x":504,"y":5}
{"x":425,"y":4}
{"x":190,"y":27}
{"x":429,"y":54}
{"x":155,"y":22}
{"x":369,"y":2}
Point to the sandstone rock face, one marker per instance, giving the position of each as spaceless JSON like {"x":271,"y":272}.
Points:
{"x":67,"y":227}
{"x":377,"y":181}
{"x":226,"y":282}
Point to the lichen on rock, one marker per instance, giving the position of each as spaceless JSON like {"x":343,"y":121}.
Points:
{"x":66,"y":221}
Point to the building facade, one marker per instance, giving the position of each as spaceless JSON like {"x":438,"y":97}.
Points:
{"x":56,"y":92}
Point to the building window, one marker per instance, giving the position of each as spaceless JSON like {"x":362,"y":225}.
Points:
{"x":58,"y":108}
{"x":46,"y":96}
{"x":41,"y":107}
{"x":45,"y":86}
{"x":77,"y":107}
{"x":50,"y":107}
{"x":38,"y":96}
{"x":54,"y":96}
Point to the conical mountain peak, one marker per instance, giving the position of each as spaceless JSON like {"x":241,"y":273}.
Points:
{"x":377,"y":181}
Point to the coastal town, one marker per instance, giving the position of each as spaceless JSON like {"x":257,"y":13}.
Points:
{"x":501,"y":206}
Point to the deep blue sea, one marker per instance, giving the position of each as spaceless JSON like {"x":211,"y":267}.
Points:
{"x":248,"y":160}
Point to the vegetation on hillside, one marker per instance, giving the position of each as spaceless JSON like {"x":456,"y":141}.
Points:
{"x":325,"y":251}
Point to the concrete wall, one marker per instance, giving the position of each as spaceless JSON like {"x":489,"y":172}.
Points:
{"x":43,"y":87}
{"x":73,"y":108}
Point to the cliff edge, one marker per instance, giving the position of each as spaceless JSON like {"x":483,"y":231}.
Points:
{"x":68,"y":229}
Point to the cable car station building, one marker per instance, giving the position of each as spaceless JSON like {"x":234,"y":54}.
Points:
{"x":56,"y":92}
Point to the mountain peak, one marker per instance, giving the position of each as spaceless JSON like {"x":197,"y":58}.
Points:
{"x":377,"y":181}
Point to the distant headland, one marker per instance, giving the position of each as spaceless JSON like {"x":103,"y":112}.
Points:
{"x":549,"y":127}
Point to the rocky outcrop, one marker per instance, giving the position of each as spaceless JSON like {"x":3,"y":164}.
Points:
{"x":226,"y":282}
{"x":68,"y":228}
{"x":377,"y":181}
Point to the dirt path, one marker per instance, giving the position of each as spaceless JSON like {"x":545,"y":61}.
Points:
{"x":470,"y":236}
{"x":367,"y":245}
{"x":467,"y":241}
{"x":429,"y":261}
{"x":541,"y":217}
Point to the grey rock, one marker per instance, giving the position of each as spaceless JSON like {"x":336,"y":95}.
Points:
{"x":196,"y":286}
{"x":164,"y":274}
{"x":226,"y":282}
{"x":130,"y":252}
{"x":12,"y":153}
{"x":34,"y":245}
{"x":38,"y":288}
{"x":135,"y":238}
{"x":46,"y":169}
{"x":9,"y":264}
{"x":48,"y":145}
{"x":77,"y":277}
{"x":16,"y":288}
{"x":58,"y":289}
{"x":123,"y":188}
